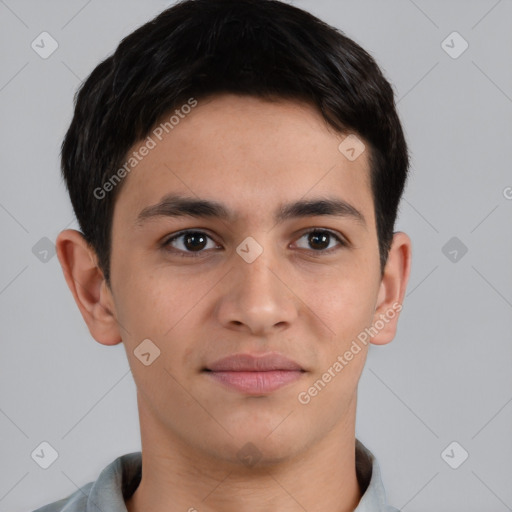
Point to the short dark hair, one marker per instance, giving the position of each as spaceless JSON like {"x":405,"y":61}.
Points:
{"x":199,"y":48}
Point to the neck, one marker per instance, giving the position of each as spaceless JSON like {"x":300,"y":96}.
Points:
{"x":175,"y":477}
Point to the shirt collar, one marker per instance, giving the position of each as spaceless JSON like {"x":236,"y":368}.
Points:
{"x":119,"y":480}
{"x":370,"y":482}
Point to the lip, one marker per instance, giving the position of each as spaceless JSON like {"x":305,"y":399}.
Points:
{"x":254,"y":363}
{"x":255,"y":375}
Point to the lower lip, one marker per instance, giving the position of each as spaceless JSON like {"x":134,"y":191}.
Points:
{"x":256,"y":383}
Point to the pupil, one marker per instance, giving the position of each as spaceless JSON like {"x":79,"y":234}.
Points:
{"x":321,"y":239}
{"x":195,"y":241}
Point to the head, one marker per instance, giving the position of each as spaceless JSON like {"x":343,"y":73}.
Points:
{"x":228,"y":118}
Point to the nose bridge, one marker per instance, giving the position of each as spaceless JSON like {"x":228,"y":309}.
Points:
{"x":254,"y":279}
{"x":256,"y":299}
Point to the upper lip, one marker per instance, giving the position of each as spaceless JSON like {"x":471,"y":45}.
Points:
{"x":253,"y":363}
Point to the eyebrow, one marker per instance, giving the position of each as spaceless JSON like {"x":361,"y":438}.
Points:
{"x":173,"y":205}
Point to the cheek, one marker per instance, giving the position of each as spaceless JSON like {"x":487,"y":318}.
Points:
{"x":159,"y":304}
{"x":149,"y":307}
{"x":345,"y":304}
{"x":347,"y":309}
{"x":155,"y":309}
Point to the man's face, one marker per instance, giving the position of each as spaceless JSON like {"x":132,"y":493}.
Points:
{"x":306,"y":296}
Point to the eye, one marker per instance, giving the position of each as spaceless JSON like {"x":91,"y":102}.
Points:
{"x":321,"y":240}
{"x":190,"y":242}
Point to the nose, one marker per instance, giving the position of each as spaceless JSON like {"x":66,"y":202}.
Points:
{"x":257,"y":298}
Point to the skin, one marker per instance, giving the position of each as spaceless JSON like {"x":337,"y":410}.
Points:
{"x":308,"y":304}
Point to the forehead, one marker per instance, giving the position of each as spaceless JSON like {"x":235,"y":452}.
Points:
{"x":245,"y":151}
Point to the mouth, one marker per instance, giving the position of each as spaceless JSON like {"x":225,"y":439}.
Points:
{"x":255,"y":375}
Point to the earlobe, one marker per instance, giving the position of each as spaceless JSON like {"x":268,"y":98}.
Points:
{"x":87,"y":284}
{"x":392,"y":289}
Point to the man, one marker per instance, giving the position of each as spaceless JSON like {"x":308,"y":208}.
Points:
{"x":236,"y":168}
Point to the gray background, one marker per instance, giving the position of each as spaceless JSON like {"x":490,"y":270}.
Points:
{"x":447,"y":375}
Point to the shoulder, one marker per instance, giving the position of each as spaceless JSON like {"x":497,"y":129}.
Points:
{"x":116,"y":482}
{"x":76,"y":502}
{"x":368,"y":473}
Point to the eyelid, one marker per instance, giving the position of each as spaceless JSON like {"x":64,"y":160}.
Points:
{"x":342,"y":240}
{"x":165,"y":244}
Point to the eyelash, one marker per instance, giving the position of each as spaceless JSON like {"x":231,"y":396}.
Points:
{"x":195,"y":254}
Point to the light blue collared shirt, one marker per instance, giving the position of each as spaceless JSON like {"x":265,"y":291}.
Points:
{"x":119,"y":480}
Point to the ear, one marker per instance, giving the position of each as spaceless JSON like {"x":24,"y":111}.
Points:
{"x":85,"y":280}
{"x":392,"y":290}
